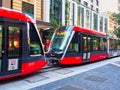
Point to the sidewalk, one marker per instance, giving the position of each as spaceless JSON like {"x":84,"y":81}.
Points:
{"x":102,"y":75}
{"x":106,"y":77}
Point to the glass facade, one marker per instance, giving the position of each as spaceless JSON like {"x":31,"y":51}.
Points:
{"x":77,"y":12}
{"x":105,"y":25}
{"x":101,"y":24}
{"x":67,"y":12}
{"x":80,"y":16}
{"x":87,"y":19}
{"x":56,"y":10}
{"x":95,"y":19}
{"x":71,"y":20}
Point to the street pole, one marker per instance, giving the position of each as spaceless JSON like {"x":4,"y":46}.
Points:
{"x":35,"y":11}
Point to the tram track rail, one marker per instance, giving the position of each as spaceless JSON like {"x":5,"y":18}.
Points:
{"x":51,"y":68}
{"x":54,"y":67}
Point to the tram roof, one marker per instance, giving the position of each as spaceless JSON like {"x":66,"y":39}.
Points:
{"x":80,"y":29}
{"x":9,"y":13}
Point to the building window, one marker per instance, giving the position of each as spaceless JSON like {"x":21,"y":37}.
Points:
{"x":79,"y":0}
{"x":105,"y":25}
{"x":97,"y":10}
{"x":28,"y":8}
{"x":91,"y":7}
{"x":91,"y":1}
{"x":69,"y":10}
{"x":71,"y":19}
{"x":86,"y":4}
{"x":73,"y":13}
{"x":56,"y":10}
{"x":80,"y":16}
{"x":97,"y":2}
{"x":119,"y":1}
{"x":87,"y":19}
{"x":101,"y":24}
{"x":95,"y":19}
{"x":119,"y":8}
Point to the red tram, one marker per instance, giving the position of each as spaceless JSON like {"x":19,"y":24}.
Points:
{"x":76,"y":45}
{"x":21,"y":49}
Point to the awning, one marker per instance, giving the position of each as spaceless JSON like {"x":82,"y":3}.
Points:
{"x":43,"y":25}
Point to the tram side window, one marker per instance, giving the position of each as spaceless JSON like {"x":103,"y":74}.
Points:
{"x":117,"y":44}
{"x":85,"y":44}
{"x":73,"y":47}
{"x":14,"y":41}
{"x":103,"y":44}
{"x":113,"y":44}
{"x":35,"y":45}
{"x":95,"y":44}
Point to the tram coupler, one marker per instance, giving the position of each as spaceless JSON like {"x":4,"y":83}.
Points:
{"x":51,"y":62}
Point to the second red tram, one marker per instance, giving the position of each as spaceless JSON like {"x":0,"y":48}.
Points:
{"x":76,"y":45}
{"x":21,"y":49}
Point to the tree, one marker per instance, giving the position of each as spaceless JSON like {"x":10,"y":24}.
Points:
{"x":117,"y":32}
{"x":118,"y":17}
{"x":56,"y":24}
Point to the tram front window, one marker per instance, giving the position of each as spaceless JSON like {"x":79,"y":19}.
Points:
{"x":60,"y":39}
{"x":35,"y":44}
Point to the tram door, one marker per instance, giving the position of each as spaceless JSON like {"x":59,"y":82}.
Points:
{"x":86,"y":47}
{"x":10,"y":49}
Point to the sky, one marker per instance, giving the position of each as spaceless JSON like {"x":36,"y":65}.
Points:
{"x":108,"y":5}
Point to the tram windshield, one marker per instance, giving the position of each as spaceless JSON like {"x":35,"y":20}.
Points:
{"x":61,"y":39}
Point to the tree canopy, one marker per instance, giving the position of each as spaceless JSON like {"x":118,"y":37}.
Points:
{"x":117,"y":16}
{"x":56,"y":24}
{"x":117,"y":31}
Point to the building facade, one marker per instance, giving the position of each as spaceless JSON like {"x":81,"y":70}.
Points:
{"x":30,"y":7}
{"x":113,"y":23}
{"x":84,"y":13}
{"x":111,"y":5}
{"x":119,"y":6}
